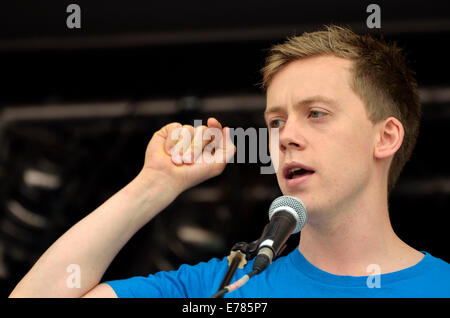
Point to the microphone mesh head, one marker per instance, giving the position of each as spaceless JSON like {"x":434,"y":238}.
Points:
{"x":294,"y":206}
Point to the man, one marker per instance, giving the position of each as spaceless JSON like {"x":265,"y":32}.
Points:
{"x":348,"y":115}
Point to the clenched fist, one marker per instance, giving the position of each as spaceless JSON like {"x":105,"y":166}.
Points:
{"x":183,"y":156}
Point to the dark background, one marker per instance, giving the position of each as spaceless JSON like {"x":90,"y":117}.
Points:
{"x":78,"y":107}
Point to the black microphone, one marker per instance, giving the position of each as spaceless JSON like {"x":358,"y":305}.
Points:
{"x":287,"y":216}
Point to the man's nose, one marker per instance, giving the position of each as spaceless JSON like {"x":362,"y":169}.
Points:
{"x":291,"y":137}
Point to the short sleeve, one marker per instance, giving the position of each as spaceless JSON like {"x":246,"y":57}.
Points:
{"x":189,"y":281}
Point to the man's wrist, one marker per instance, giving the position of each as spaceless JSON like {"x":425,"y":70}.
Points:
{"x":153,"y":188}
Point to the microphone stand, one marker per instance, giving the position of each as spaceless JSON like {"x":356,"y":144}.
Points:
{"x":239,"y":255}
{"x":237,"y":258}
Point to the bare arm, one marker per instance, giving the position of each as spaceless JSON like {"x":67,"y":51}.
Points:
{"x":93,"y":242}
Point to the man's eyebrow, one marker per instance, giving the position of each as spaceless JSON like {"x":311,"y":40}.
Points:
{"x":273,"y":109}
{"x":303,"y":102}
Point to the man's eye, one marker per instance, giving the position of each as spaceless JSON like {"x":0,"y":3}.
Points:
{"x":276,"y":123}
{"x":316,"y":114}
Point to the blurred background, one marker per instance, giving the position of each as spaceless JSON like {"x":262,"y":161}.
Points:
{"x":78,"y":107}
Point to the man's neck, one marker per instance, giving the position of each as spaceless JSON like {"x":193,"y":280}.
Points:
{"x":361,"y":236}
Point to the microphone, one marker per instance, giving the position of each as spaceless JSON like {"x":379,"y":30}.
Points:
{"x":287,"y":216}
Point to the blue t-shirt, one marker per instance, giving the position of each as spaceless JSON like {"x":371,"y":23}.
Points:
{"x":290,"y":276}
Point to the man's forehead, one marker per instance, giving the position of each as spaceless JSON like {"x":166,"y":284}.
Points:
{"x":322,"y":99}
{"x":318,"y":79}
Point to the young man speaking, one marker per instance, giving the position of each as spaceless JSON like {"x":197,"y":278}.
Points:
{"x":348,"y":114}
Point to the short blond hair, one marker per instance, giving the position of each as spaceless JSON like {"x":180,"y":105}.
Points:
{"x":380,"y":77}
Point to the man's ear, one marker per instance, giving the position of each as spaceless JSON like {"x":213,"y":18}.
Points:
{"x":389,"y":138}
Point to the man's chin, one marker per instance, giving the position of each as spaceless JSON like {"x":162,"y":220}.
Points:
{"x":308,"y":201}
{"x":301,"y":195}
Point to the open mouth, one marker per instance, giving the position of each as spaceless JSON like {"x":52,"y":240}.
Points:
{"x":296,"y":170}
{"x":297,"y":173}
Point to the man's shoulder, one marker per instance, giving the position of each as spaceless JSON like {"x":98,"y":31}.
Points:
{"x":438,"y":263}
{"x":213,"y":265}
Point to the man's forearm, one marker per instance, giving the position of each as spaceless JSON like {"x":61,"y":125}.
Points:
{"x":91,"y":244}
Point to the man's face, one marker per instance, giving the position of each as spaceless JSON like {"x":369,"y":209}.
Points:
{"x":324,"y":128}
